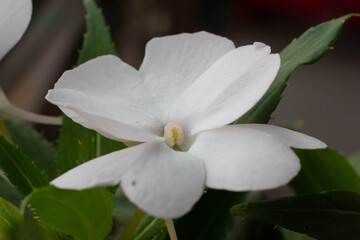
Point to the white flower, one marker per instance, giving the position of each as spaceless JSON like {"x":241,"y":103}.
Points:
{"x":188,"y":88}
{"x":14,"y":18}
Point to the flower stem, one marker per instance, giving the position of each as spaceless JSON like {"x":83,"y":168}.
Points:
{"x":171,"y":228}
{"x":16,"y":112}
{"x":22,"y":114}
{"x":131,"y":227}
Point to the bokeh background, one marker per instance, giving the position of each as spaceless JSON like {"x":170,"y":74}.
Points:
{"x":323,"y":97}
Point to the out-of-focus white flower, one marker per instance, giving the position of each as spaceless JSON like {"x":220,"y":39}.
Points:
{"x":14,"y":18}
{"x":178,"y":104}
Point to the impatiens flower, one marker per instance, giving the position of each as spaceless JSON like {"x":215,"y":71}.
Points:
{"x":178,"y":106}
{"x":14,"y":18}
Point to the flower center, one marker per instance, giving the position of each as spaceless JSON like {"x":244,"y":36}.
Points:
{"x":173,"y":134}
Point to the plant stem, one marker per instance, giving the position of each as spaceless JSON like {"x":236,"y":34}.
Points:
{"x":131,"y":227}
{"x":171,"y":228}
{"x":16,"y":112}
{"x":4,"y":132}
{"x":22,"y":114}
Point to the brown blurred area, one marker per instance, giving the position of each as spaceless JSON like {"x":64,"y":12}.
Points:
{"x":325,"y":95}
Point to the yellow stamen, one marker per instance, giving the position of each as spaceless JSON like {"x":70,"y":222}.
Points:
{"x":173,"y":133}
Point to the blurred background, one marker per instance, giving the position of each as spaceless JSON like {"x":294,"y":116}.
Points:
{"x":324,"y":97}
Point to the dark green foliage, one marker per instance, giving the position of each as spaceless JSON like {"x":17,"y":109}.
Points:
{"x":323,"y":170}
{"x":34,"y":145}
{"x":330,"y":215}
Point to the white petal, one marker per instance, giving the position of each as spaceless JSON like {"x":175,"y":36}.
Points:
{"x":228,"y":89}
{"x":238,"y":158}
{"x":14,"y":18}
{"x":163,"y":182}
{"x":172,"y":63}
{"x":289,"y":137}
{"x":106,"y":95}
{"x":110,"y":116}
{"x":106,"y":170}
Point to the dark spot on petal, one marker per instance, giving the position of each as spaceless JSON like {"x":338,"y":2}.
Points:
{"x":133,"y":183}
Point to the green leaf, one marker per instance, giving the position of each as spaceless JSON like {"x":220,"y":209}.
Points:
{"x":323,"y":170}
{"x":291,"y":235}
{"x":354,"y":161}
{"x":34,"y":145}
{"x":332,"y":215}
{"x":210,"y":218}
{"x":76,"y":145}
{"x":34,"y":230}
{"x":11,"y":221}
{"x":86,"y":215}
{"x":20,"y":169}
{"x":309,"y":48}
{"x":8,"y":191}
{"x":97,"y":40}
{"x":108,"y":145}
